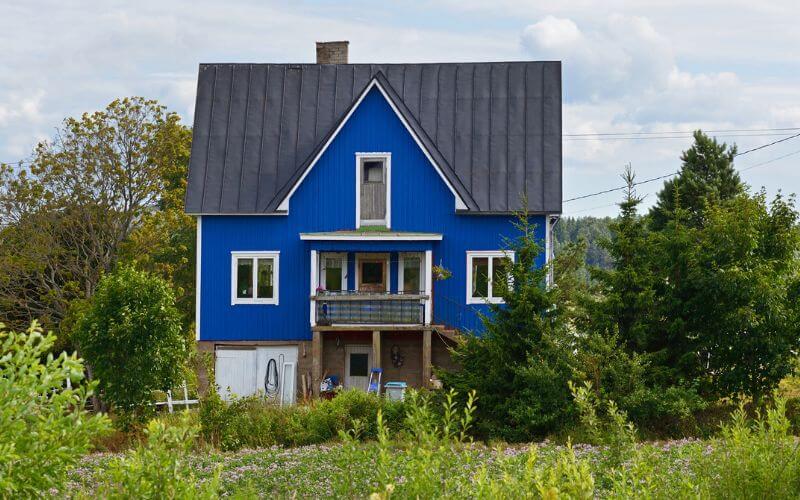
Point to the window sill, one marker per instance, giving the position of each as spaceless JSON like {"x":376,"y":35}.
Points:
{"x":484,"y":301}
{"x":260,"y":302}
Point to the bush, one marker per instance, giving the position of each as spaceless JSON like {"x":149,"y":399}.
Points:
{"x":132,"y":339}
{"x":253,"y":422}
{"x":753,"y":459}
{"x":158,"y":468}
{"x":44,"y":428}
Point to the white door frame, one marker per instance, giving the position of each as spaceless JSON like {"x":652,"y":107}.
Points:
{"x":356,"y":349}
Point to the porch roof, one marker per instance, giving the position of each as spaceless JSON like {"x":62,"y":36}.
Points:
{"x":370,"y":235}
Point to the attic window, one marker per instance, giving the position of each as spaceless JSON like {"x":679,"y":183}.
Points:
{"x":373,"y":189}
{"x":373,"y":171}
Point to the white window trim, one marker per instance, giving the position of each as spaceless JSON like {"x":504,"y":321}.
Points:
{"x":273,"y":254}
{"x":401,"y":274}
{"x":489,"y":254}
{"x":387,"y":158}
{"x":342,"y":256}
{"x":198,"y":268}
{"x":371,"y":256}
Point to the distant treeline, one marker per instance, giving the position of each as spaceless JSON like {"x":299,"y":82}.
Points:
{"x":591,"y":229}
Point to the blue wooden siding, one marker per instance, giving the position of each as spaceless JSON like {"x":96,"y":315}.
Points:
{"x":325,"y":201}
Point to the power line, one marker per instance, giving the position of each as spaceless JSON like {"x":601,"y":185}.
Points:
{"x":674,"y":132}
{"x":770,"y":161}
{"x":767,"y":145}
{"x":598,"y":193}
{"x":663,"y":137}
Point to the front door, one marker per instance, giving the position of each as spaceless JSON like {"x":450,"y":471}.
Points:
{"x":357,"y":364}
{"x":373,"y":274}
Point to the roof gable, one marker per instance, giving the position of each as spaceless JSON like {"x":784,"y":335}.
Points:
{"x":493,"y":130}
{"x":463,"y":200}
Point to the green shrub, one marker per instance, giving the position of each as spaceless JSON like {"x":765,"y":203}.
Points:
{"x":567,"y":477}
{"x":131,"y":337}
{"x":753,"y":459}
{"x":44,"y":428}
{"x":158,"y":468}
{"x":253,"y":422}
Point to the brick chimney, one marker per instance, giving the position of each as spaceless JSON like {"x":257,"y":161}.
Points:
{"x":332,"y":52}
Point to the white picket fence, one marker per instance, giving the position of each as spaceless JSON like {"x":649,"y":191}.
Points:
{"x":171,"y":403}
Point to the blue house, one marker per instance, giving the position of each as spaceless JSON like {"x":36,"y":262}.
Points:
{"x":353,"y":216}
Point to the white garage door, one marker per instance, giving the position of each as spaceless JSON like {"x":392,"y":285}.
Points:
{"x":269,"y":370}
{"x":235,"y":372}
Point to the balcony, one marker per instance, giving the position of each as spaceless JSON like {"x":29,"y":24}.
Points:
{"x":369,"y":308}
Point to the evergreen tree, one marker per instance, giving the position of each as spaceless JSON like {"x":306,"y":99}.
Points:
{"x":627,"y":297}
{"x":706,"y":174}
{"x":521,"y":365}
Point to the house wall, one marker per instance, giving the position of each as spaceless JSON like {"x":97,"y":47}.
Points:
{"x":325,"y":201}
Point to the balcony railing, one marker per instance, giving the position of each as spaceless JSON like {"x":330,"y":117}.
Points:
{"x":369,"y":308}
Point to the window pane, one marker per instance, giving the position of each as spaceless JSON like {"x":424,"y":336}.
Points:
{"x":480,"y":277}
{"x":373,"y":171}
{"x":244,"y":278}
{"x":372,"y":273}
{"x":501,"y":267}
{"x":359,"y":365}
{"x":265,"y":278}
{"x":411,"y":282}
{"x":333,"y":279}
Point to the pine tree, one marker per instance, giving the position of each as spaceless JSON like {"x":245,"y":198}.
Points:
{"x":521,"y":365}
{"x":627,"y":300}
{"x":706,"y":174}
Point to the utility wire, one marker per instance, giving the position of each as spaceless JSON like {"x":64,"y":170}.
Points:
{"x":663,"y":137}
{"x":674,"y":132}
{"x":598,"y":193}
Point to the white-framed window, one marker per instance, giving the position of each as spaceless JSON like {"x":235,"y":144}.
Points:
{"x":333,"y":272}
{"x":373,"y":189}
{"x":488,"y":276}
{"x":411,"y":278}
{"x":254,"y":277}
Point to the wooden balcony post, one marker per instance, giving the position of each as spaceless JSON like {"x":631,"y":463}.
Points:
{"x":376,"y":349}
{"x":316,"y":361}
{"x":426,"y":357}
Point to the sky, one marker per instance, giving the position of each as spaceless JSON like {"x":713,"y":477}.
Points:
{"x":629,"y":67}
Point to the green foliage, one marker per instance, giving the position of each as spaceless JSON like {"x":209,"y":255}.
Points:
{"x":568,"y":477}
{"x":627,"y":292}
{"x":520,"y":367}
{"x":607,"y":426}
{"x":743,"y":259}
{"x":720,"y":246}
{"x":707,"y":175}
{"x":131,"y":336}
{"x":433,"y":437}
{"x":753,"y":459}
{"x":43,"y":427}
{"x":66,"y":216}
{"x":158,"y":468}
{"x":592,"y":230}
{"x":253,"y":422}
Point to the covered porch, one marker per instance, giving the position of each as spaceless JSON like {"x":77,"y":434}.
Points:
{"x":371,"y":306}
{"x":404,"y":354}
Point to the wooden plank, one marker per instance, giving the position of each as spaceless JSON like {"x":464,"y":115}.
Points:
{"x":316,"y":361}
{"x":376,"y":348}
{"x":426,"y":357}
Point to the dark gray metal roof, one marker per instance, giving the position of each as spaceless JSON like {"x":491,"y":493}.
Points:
{"x":494,"y":129}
